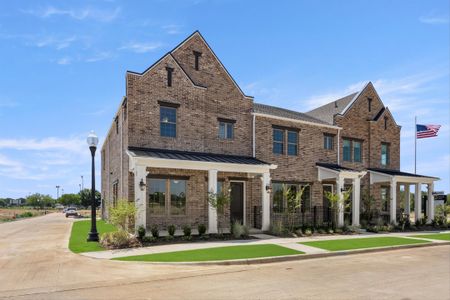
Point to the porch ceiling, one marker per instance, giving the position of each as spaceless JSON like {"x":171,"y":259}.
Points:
{"x":387,"y":175}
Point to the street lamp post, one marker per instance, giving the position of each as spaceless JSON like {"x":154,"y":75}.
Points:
{"x":92,"y":141}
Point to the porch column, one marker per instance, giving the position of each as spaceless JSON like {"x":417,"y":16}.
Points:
{"x":418,"y":202}
{"x":393,"y":208}
{"x":430,"y":202}
{"x":212,"y":212}
{"x":356,"y":201}
{"x":140,"y":197}
{"x":407,"y":200}
{"x":340,"y":208}
{"x":265,"y":199}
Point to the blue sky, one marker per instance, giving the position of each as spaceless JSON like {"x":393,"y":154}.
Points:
{"x":63,"y":66}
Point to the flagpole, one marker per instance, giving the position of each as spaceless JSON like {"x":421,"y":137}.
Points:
{"x":415,"y":145}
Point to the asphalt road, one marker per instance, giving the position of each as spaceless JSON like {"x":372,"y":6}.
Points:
{"x":36,"y":264}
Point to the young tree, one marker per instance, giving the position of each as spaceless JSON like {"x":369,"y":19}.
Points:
{"x":40,"y":201}
{"x":123,"y":215}
{"x":294,"y":204}
{"x":338,"y":204}
{"x":368,"y":203}
{"x":219,"y":201}
{"x":85,"y":198}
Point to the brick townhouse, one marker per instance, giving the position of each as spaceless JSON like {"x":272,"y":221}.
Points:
{"x":185,"y":129}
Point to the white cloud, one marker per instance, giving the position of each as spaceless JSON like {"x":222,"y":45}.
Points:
{"x":77,"y":14}
{"x":51,"y":41}
{"x":139,"y":47}
{"x":172,"y":29}
{"x":73,"y":144}
{"x":434,"y":19}
{"x":64,"y":61}
{"x":100,"y":56}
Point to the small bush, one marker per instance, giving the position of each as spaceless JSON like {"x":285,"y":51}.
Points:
{"x":171,"y":229}
{"x":299,"y":232}
{"x":308,"y":232}
{"x":187,"y":230}
{"x":236,"y":229}
{"x":423,"y":221}
{"x":201,"y":229}
{"x":26,"y":214}
{"x":155,"y":231}
{"x":338,"y":230}
{"x":245,"y":231}
{"x":417,"y":223}
{"x":169,"y":238}
{"x":148,"y":239}
{"x":330,"y":231}
{"x":320,"y":231}
{"x":118,"y":239}
{"x":141,"y":232}
{"x":277,"y":228}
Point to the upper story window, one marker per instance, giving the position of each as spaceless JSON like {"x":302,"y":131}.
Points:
{"x":369,"y":103}
{"x":169,"y":76}
{"x":197,"y":56}
{"x":292,"y":143}
{"x":385,"y":123}
{"x":226,"y":129}
{"x":328,"y":141}
{"x":385,"y":159}
{"x":357,"y":151}
{"x":168,"y":121}
{"x":278,"y":141}
{"x":116,"y":123}
{"x":352,"y":150}
{"x":347,"y":153}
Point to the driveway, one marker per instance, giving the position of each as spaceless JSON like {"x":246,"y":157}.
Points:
{"x":36,"y":264}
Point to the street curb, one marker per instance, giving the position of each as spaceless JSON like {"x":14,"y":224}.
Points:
{"x":266,"y":260}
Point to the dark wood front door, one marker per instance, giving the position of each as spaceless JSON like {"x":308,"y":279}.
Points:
{"x":237,"y":202}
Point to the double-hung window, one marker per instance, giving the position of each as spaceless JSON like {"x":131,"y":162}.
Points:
{"x":357,"y":151}
{"x":384,"y":198}
{"x":328,"y":141}
{"x":292,"y":142}
{"x":278,"y":141}
{"x":385,"y":154}
{"x":226,"y":129}
{"x":168,"y":121}
{"x":347,"y":153}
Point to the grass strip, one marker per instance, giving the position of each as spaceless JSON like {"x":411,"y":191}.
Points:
{"x":79,"y":234}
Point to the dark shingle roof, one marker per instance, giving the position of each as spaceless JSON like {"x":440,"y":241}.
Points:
{"x":194,"y":156}
{"x":326,"y":112}
{"x":398,"y":173}
{"x":334,"y":167}
{"x":284,"y":113}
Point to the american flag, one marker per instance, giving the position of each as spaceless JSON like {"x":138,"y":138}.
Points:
{"x":426,"y":131}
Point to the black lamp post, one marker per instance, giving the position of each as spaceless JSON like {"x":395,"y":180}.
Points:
{"x":92,"y":141}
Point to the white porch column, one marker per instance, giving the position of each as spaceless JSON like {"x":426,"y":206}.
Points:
{"x":418,"y":202}
{"x":212,"y":212}
{"x":393,"y":208}
{"x":265,"y":199}
{"x":356,"y":201}
{"x":140,"y":197}
{"x":407,"y":200}
{"x":430,"y":202}
{"x":340,"y":208}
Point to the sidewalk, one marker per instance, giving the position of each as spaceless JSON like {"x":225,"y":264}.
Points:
{"x":291,"y":243}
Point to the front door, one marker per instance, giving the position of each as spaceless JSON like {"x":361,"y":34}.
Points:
{"x":237,"y":202}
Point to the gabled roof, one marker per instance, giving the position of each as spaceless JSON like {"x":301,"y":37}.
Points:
{"x":327,"y":112}
{"x":398,"y":173}
{"x":285,"y":113}
{"x":195,"y":33}
{"x":194,"y":156}
{"x":335,"y":167}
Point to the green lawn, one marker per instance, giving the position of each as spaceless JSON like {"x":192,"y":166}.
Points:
{"x":220,"y":253}
{"x":78,"y":236}
{"x":434,"y":236}
{"x":361,"y":243}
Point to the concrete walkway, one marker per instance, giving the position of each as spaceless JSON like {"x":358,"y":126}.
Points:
{"x":292,"y":243}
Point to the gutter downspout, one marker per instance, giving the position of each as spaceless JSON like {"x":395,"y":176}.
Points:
{"x":254,"y":136}
{"x":338,"y":146}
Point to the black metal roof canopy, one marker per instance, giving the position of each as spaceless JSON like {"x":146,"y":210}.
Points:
{"x":194,"y":156}
{"x":334,"y":167}
{"x":398,"y":173}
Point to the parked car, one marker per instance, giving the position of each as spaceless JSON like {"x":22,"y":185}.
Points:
{"x":72,"y":212}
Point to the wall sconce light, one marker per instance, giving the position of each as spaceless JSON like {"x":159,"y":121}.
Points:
{"x":142,"y":184}
{"x":269,"y":188}
{"x":229,"y":190}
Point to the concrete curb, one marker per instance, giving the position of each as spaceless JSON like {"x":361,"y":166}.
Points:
{"x":266,"y":260}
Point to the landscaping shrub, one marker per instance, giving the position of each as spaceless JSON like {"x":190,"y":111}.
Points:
{"x":417,"y":223}
{"x":245,"y":231}
{"x":118,"y":239}
{"x":141,"y":232}
{"x":155,"y":231}
{"x":236,"y":229}
{"x":171,"y":230}
{"x":201,"y":229}
{"x":308,"y":232}
{"x":187,"y":231}
{"x":148,"y":239}
{"x":26,"y":214}
{"x":277,"y":228}
{"x":330,"y":231}
{"x":122,"y":216}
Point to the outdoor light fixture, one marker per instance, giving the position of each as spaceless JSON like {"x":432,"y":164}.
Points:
{"x":269,"y":188}
{"x":142,"y":184}
{"x":92,"y":141}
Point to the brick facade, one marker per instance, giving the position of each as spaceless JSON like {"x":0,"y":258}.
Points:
{"x":202,"y":97}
